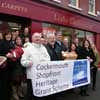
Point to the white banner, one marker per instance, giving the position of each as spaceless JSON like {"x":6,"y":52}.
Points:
{"x":56,"y":76}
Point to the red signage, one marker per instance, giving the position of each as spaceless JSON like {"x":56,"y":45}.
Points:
{"x":14,"y":7}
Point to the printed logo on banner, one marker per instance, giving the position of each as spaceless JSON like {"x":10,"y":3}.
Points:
{"x":80,"y":72}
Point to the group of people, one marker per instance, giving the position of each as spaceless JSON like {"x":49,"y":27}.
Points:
{"x":12,"y":73}
{"x":22,"y":55}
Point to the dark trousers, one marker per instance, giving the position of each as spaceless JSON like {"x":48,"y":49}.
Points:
{"x":29,"y":95}
{"x":4,"y":85}
{"x":93,"y":76}
{"x":83,"y":90}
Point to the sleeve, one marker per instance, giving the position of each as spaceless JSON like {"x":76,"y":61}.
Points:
{"x":97,"y":59}
{"x":92,"y":56}
{"x":26,"y":58}
{"x":17,"y":53}
{"x":47,"y":57}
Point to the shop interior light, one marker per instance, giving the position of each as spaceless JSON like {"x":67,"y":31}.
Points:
{"x":14,"y":28}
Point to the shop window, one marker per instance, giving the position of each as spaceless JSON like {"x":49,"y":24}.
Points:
{"x":51,"y":28}
{"x":92,"y":6}
{"x":70,"y":33}
{"x":90,"y":37}
{"x":9,"y":26}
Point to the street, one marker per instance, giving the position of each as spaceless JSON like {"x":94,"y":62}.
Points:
{"x":74,"y":94}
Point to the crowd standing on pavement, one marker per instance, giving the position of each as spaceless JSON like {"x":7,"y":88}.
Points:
{"x":22,"y":54}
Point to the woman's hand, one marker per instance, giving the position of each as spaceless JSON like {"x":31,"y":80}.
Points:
{"x":91,"y":60}
{"x":9,"y":55}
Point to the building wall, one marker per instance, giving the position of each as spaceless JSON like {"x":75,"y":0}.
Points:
{"x":83,"y":4}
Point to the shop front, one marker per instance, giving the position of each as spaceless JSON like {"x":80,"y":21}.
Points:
{"x":49,"y":18}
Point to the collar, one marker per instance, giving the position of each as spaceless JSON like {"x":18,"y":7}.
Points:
{"x":36,"y":45}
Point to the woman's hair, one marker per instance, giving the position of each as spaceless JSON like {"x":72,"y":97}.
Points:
{"x":4,"y":35}
{"x":16,"y":39}
{"x":71,"y":45}
{"x":93,"y":46}
{"x":88,"y":43}
{"x":1,"y":36}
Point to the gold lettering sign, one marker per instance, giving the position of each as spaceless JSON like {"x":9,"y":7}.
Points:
{"x":60,"y":18}
{"x":14,"y":7}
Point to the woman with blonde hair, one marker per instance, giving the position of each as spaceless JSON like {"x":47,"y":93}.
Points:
{"x":95,"y":67}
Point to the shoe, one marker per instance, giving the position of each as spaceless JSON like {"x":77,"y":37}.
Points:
{"x":81,"y":93}
{"x":94,"y":89}
{"x":86,"y":94}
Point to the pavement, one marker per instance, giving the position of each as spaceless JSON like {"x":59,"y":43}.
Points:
{"x":74,"y":94}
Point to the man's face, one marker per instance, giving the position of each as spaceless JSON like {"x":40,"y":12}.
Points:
{"x":36,"y":38}
{"x":17,"y":33}
{"x":76,"y":41}
{"x":51,"y":40}
{"x":65,"y":41}
{"x":43,"y":41}
{"x":26,"y":30}
{"x":59,"y":37}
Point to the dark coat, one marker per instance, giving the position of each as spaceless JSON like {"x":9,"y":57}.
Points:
{"x":89,"y":53}
{"x":5,"y":47}
{"x":79,"y":51}
{"x":58,"y":49}
{"x":17,"y":71}
{"x":52,"y":53}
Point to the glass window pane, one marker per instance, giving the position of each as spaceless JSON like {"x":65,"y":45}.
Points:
{"x":73,"y":2}
{"x":92,"y":6}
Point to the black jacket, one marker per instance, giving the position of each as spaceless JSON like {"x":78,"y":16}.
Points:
{"x":89,"y":53}
{"x":51,"y":52}
{"x":5,"y":47}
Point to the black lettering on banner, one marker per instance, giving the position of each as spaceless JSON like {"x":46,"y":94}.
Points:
{"x":46,"y":83}
{"x":49,"y":74}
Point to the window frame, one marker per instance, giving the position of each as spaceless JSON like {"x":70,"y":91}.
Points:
{"x":73,"y":6}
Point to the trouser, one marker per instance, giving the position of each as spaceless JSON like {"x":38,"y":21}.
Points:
{"x":18,"y":90}
{"x":93,"y":76}
{"x":4,"y":85}
{"x":29,"y":95}
{"x":83,"y":90}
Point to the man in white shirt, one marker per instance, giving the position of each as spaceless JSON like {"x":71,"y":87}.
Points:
{"x":33,"y":54}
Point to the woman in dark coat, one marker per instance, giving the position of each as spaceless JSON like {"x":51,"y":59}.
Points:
{"x":5,"y":47}
{"x":87,"y":53}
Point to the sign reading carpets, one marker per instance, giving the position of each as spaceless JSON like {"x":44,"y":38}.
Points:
{"x":56,"y":76}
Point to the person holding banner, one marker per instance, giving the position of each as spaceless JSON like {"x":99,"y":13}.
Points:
{"x":51,"y":47}
{"x":59,"y":46}
{"x":33,"y":54}
{"x":87,"y":54}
